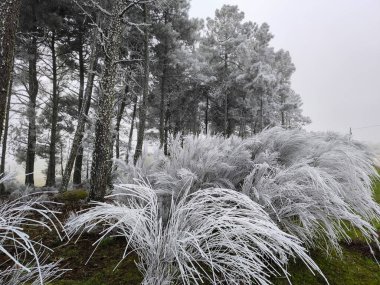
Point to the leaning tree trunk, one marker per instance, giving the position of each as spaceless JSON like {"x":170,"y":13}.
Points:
{"x":76,"y":151}
{"x":33,"y":91}
{"x":143,"y":106}
{"x":50,"y":178}
{"x":103,"y":127}
{"x":9,"y":14}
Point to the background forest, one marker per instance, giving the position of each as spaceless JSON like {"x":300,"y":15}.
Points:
{"x":85,"y":86}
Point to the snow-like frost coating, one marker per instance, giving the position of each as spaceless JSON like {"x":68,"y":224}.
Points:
{"x":215,"y":234}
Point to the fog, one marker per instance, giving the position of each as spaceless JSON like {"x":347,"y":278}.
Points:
{"x":335,"y":46}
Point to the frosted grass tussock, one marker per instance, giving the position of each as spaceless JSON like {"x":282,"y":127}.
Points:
{"x":49,"y":272}
{"x":215,"y":235}
{"x":17,"y":245}
{"x":315,"y":185}
{"x":209,"y":161}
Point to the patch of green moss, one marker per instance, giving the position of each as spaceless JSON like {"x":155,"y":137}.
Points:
{"x":101,"y":268}
{"x":73,"y":196}
{"x":352,"y":269}
{"x":376,"y":190}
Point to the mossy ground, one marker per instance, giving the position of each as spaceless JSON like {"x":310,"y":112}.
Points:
{"x":356,"y":267}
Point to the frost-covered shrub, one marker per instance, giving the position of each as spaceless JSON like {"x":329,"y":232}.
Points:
{"x":208,"y":161}
{"x":215,"y":235}
{"x":317,"y":186}
{"x":43,"y":273}
{"x":184,"y":225}
{"x":25,"y":259}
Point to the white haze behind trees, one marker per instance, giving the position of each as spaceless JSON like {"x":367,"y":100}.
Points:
{"x":336,"y":52}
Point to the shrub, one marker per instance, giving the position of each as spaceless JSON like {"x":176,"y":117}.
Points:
{"x":215,"y":235}
{"x":315,"y":185}
{"x":25,"y":257}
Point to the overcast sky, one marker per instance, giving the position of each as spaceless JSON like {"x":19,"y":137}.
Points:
{"x":335,"y":46}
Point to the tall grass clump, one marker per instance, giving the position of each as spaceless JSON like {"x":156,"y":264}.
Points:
{"x":234,"y":211}
{"x":212,"y":235}
{"x":317,"y":186}
{"x":208,"y":161}
{"x":25,"y":258}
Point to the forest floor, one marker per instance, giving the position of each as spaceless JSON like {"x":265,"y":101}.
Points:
{"x":357,"y":266}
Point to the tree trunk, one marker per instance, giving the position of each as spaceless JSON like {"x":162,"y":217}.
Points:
{"x":163,"y":87}
{"x":143,"y":105}
{"x":167,"y":126}
{"x":76,"y":151}
{"x":206,"y":112}
{"x":33,"y":91}
{"x":6,"y":126}
{"x":226,"y":134}
{"x":50,"y":178}
{"x":132,"y":127}
{"x":119,"y":116}
{"x":9,"y":14}
{"x":81,"y":75}
{"x":261,"y":112}
{"x":103,"y":128}
{"x":77,"y":176}
{"x":5,"y":136}
{"x":282,"y":111}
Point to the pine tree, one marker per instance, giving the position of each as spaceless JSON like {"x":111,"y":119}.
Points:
{"x":100,"y":169}
{"x":9,"y":14}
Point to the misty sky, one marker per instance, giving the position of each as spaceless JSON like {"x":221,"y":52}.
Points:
{"x":335,"y":46}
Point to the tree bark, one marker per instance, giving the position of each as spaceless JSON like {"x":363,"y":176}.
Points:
{"x":50,"y":178}
{"x":76,"y":151}
{"x":132,"y":128}
{"x":81,"y":74}
{"x":5,"y":136}
{"x":261,"y":112}
{"x":103,"y":128}
{"x":226,"y":134}
{"x":167,"y":126}
{"x":33,"y":91}
{"x":163,"y":87}
{"x":119,"y":116}
{"x":143,"y":105}
{"x":77,"y":176}
{"x":6,"y":127}
{"x":206,"y":111}
{"x":9,"y":14}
